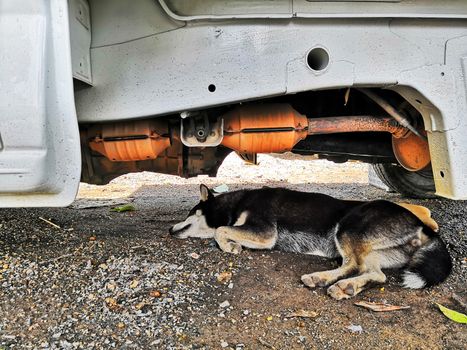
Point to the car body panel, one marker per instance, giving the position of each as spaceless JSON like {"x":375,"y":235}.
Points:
{"x":40,"y":151}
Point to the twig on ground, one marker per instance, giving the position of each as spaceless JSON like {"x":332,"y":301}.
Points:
{"x":50,"y":223}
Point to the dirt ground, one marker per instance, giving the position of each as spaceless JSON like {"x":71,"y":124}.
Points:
{"x":104,"y":279}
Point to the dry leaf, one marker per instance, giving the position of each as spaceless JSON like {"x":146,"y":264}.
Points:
{"x":194,"y":256}
{"x":120,"y":325}
{"x":380,"y":307}
{"x":224,"y":277}
{"x":269,"y":318}
{"x":302,"y":313}
{"x":111,"y":286}
{"x":140,"y":305}
{"x":346,"y":97}
{"x":134,"y":284}
{"x":111,"y":302}
{"x":155,"y":294}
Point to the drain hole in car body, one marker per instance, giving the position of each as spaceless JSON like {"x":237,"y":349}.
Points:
{"x":317,"y":59}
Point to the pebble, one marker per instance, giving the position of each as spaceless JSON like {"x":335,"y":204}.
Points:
{"x":224,"y":304}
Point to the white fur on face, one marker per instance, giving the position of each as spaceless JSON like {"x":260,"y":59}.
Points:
{"x":196,"y":226}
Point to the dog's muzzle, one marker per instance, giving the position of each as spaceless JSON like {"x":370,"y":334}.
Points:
{"x":174,"y":232}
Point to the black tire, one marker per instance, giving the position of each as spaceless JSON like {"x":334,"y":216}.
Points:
{"x":412,"y":184}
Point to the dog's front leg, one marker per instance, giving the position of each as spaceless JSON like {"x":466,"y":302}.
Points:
{"x":221,"y":236}
{"x":232,"y":238}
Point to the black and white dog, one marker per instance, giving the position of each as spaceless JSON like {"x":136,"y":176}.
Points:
{"x":369,"y":236}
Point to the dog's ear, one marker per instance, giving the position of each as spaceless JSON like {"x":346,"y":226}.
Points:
{"x":205,"y":193}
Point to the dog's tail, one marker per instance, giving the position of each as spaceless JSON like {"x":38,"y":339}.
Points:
{"x":430,"y":264}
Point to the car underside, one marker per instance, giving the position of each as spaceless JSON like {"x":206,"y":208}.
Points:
{"x":174,"y":86}
{"x":338,"y":124}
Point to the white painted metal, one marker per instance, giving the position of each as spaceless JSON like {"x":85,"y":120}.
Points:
{"x":80,"y":37}
{"x":195,"y":10}
{"x":171,"y":72}
{"x":381,"y":9}
{"x":438,"y":91}
{"x":40,"y":154}
{"x":120,"y":21}
{"x":214,"y":10}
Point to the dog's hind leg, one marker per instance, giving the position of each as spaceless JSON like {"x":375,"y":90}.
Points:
{"x":255,"y":236}
{"x":325,"y":278}
{"x":370,"y":272}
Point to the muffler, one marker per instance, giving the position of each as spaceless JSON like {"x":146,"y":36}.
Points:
{"x":273,"y":128}
{"x":130,"y":141}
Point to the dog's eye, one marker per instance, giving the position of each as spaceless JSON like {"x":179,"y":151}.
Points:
{"x":199,"y":213}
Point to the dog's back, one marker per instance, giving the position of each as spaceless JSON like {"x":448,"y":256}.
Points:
{"x":305,"y":222}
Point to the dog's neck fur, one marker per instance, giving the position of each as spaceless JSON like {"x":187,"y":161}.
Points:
{"x":225,"y":206}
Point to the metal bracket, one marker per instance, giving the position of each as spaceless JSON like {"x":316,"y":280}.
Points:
{"x":197,"y":131}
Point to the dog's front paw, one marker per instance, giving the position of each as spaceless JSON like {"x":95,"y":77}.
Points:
{"x":342,"y":290}
{"x":236,"y":248}
{"x":231,"y":247}
{"x":314,"y":280}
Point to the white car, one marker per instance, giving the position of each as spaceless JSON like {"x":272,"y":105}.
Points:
{"x":92,"y":89}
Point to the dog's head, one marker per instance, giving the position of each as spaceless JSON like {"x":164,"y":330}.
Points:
{"x":195,"y":225}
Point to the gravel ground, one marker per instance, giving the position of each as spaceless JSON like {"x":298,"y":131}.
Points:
{"x":117,"y":280}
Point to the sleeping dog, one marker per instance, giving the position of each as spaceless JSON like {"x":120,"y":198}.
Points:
{"x":368,"y":236}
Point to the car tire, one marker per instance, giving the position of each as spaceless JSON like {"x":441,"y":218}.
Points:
{"x":412,"y":184}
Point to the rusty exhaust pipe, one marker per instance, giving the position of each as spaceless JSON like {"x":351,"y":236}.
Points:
{"x":276,"y":128}
{"x":360,"y":123}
